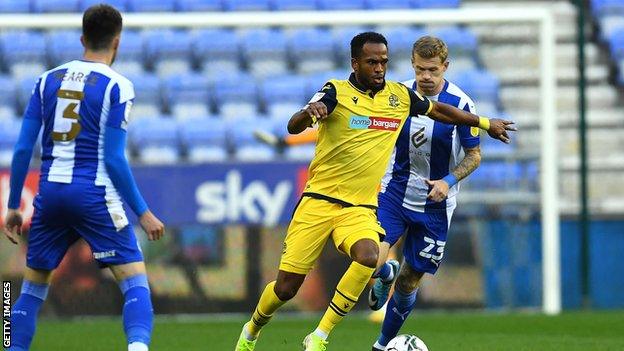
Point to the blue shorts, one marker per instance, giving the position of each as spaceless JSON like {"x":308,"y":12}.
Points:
{"x":65,"y":213}
{"x":425,"y":232}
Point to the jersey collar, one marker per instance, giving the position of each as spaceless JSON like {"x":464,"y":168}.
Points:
{"x":362,"y":89}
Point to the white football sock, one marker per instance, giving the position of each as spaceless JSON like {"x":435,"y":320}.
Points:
{"x":137,"y":346}
{"x":323,"y":335}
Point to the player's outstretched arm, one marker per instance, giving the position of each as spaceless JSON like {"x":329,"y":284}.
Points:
{"x":307,"y":116}
{"x":495,"y":127}
{"x":119,"y":171}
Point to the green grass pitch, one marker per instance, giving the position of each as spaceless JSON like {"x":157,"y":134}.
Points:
{"x":441,"y":331}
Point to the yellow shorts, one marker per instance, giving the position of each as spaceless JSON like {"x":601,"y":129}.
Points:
{"x":314,"y":221}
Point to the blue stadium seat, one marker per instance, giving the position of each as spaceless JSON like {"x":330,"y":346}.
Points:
{"x":14,"y":6}
{"x":156,"y":140}
{"x":388,"y":4}
{"x":199,"y":5}
{"x":460,"y":41}
{"x":312,"y":50}
{"x":186,"y":89}
{"x":204,"y":139}
{"x":400,"y":43}
{"x":64,"y":46}
{"x":480,"y":85}
{"x":120,"y":5}
{"x":148,"y":100}
{"x":283,"y":95}
{"x":495,"y":175}
{"x":24,"y":91}
{"x":65,"y":6}
{"x":151,"y":5}
{"x":616,"y":44}
{"x":265,"y":51}
{"x":130,"y":58}
{"x":22,"y":46}
{"x":300,"y":152}
{"x":246,"y":5}
{"x":169,"y":51}
{"x":425,"y":4}
{"x":289,"y":5}
{"x":7,"y":91}
{"x":341,"y":5}
{"x":245,"y":145}
{"x":607,"y":7}
{"x":316,"y":81}
{"x":9,"y":132}
{"x":216,"y":50}
{"x":235,"y":95}
{"x":342,"y":36}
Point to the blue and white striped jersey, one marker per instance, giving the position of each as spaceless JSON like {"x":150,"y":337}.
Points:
{"x":427,"y":149}
{"x":76,"y":102}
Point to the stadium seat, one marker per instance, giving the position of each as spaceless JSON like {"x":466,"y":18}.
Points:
{"x":147,"y":89}
{"x":199,"y":5}
{"x":120,"y":5}
{"x":316,"y":81}
{"x":425,"y":4}
{"x":607,"y":7}
{"x":14,"y":6}
{"x":616,"y":44}
{"x":388,"y":4}
{"x":312,"y":50}
{"x":169,"y":51}
{"x":151,"y":5}
{"x":64,"y":46}
{"x":460,"y":41}
{"x":246,"y":5}
{"x":156,"y":140}
{"x":290,"y":5}
{"x":24,"y":91}
{"x":23,"y":52}
{"x":204,"y":139}
{"x":400,"y":43}
{"x":216,"y":51}
{"x":342,"y":36}
{"x":186,"y":89}
{"x":481,"y":85}
{"x":64,"y":6}
{"x":300,"y":152}
{"x":9,"y":132}
{"x":245,"y":145}
{"x":7,"y":91}
{"x":610,"y":24}
{"x":265,"y":52}
{"x":130,"y":55}
{"x":341,"y":5}
{"x":236,"y":95}
{"x":285,"y":94}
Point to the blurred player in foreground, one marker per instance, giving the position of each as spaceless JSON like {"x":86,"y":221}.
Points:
{"x":359,"y":121}
{"x":418,"y":191}
{"x":83,"y":107}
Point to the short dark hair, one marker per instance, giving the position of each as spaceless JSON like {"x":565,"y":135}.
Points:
{"x":100,"y":24}
{"x":358,"y":41}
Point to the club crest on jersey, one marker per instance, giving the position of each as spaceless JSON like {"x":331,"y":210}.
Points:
{"x":379,"y":123}
{"x":393,"y":101}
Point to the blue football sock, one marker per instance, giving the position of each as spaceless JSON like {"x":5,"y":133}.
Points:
{"x":384,"y":272}
{"x":399,"y":307}
{"x":138,"y":314}
{"x":24,"y":314}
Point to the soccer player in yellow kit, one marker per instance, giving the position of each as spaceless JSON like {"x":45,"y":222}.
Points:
{"x":359,"y":121}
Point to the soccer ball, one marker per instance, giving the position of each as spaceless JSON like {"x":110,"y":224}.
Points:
{"x":406,"y":343}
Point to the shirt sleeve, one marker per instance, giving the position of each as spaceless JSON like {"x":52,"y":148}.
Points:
{"x":469,"y":136}
{"x":419,"y":105}
{"x":31,"y":124}
{"x":327,"y":95}
{"x":122,"y":97}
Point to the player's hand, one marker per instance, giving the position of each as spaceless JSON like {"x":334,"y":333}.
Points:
{"x":13,"y":225}
{"x":316,"y":110}
{"x":439,"y":189}
{"x":152,"y":226}
{"x":498,"y":129}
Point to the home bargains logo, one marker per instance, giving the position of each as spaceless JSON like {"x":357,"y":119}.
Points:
{"x":380,"y":123}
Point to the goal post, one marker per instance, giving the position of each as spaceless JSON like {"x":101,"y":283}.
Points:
{"x":543,"y":18}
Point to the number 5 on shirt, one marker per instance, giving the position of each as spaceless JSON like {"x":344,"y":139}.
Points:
{"x":70,"y":112}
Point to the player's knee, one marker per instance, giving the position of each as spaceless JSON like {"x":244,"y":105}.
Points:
{"x":366,"y":258}
{"x":285,"y":292}
{"x":407,"y":282}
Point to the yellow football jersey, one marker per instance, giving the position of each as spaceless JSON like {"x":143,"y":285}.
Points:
{"x":356,"y":139}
